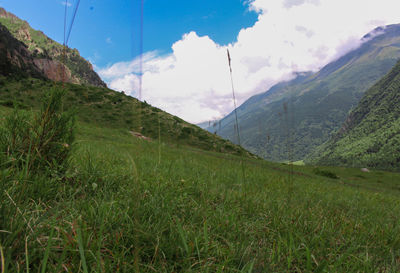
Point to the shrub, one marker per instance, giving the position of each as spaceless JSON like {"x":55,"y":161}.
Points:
{"x":40,"y":142}
{"x":325,"y":173}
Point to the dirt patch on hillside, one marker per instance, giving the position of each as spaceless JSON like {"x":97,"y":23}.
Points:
{"x":139,"y":135}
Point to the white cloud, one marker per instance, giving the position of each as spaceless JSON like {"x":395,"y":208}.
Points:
{"x":108,"y":40}
{"x":290,"y":35}
{"x":69,"y":4}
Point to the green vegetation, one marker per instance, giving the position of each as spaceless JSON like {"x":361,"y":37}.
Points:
{"x":370,"y":137}
{"x":119,"y":209}
{"x":40,"y":143}
{"x":318,"y":104}
{"x":95,"y":194}
{"x":325,"y":173}
{"x":108,"y":108}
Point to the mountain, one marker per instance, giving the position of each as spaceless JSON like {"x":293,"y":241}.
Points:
{"x":208,"y":124}
{"x":370,"y":136}
{"x":15,"y":59}
{"x":23,"y":83}
{"x":48,"y":55}
{"x":293,"y":118}
{"x":110,"y":109}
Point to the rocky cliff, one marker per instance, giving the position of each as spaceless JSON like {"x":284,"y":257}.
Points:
{"x":48,"y":55}
{"x":15,"y":58}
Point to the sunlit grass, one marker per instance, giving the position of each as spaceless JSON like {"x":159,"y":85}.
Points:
{"x":119,"y":209}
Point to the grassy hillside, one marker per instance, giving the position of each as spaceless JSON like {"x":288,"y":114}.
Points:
{"x":108,"y":108}
{"x":370,"y":136}
{"x":121,"y":209}
{"x":317,"y":104}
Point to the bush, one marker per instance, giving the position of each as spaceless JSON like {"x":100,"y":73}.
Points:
{"x":40,"y":142}
{"x":325,"y":173}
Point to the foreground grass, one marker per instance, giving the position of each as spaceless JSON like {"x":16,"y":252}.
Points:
{"x":125,"y":207}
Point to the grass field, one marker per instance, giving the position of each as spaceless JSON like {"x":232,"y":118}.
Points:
{"x":130,"y":205}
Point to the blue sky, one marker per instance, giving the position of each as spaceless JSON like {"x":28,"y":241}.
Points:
{"x":185,"y":43}
{"x":107,"y":31}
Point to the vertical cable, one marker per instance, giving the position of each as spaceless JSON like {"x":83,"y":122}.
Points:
{"x":64,"y":44}
{"x":65,"y":19}
{"x":141,"y":50}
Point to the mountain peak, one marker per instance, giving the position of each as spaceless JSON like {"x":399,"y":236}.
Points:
{"x":6,"y":14}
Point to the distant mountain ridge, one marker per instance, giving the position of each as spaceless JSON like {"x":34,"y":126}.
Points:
{"x":370,"y":136}
{"x":304,"y":112}
{"x":47,"y":54}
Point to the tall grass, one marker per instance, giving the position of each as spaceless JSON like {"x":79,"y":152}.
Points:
{"x":39,"y":142}
{"x":120,"y":210}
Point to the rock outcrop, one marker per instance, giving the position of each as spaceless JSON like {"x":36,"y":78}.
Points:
{"x":49,"y":56}
{"x":15,"y":58}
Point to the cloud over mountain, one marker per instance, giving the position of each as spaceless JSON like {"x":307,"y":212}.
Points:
{"x":289,"y":36}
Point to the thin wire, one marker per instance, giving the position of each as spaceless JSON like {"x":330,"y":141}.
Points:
{"x":72,"y":21}
{"x":65,"y":19}
{"x":141,"y":51}
{"x":64,"y":45}
{"x":140,"y":57}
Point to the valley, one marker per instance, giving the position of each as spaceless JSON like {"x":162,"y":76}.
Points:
{"x":95,"y":180}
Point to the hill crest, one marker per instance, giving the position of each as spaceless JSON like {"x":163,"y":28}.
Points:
{"x":48,"y":54}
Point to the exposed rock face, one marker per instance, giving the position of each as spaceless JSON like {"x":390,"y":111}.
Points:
{"x":15,"y":58}
{"x":24,"y":34}
{"x":49,"y":56}
{"x":54,"y":70}
{"x":5,"y":14}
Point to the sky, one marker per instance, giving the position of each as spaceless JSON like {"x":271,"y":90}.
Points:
{"x":185,"y":67}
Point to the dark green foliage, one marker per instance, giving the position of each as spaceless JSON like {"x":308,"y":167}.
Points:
{"x":325,"y":173}
{"x":39,"y":142}
{"x":10,"y":103}
{"x":370,"y":137}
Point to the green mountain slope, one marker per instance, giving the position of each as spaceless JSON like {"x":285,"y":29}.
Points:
{"x":121,"y":209}
{"x":23,"y":84}
{"x":317,"y":104}
{"x":107,"y":108}
{"x":370,"y":137}
{"x":48,"y":54}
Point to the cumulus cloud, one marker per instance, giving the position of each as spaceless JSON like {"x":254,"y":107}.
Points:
{"x":289,"y":36}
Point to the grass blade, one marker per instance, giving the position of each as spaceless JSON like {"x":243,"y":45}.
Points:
{"x":47,"y":252}
{"x":183,"y":237}
{"x":81,"y":250}
{"x":2,"y":259}
{"x":26,"y":254}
